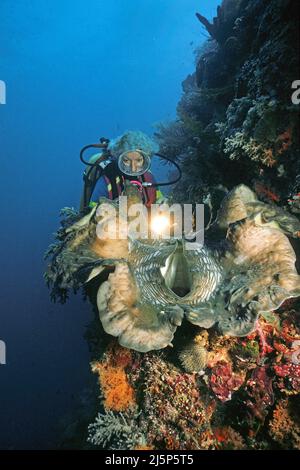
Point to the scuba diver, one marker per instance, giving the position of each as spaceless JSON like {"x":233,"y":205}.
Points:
{"x":127,"y":157}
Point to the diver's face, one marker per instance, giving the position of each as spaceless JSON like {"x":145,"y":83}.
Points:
{"x":133,"y":162}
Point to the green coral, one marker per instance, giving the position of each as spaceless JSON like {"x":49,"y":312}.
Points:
{"x":115,"y":431}
{"x":248,"y":352}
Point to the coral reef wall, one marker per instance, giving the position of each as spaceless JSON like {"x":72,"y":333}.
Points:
{"x":236,"y":122}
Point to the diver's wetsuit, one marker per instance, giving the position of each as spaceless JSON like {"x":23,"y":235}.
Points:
{"x":111,"y":185}
{"x":100,"y":190}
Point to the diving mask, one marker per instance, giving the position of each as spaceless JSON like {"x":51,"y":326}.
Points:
{"x":134,"y":162}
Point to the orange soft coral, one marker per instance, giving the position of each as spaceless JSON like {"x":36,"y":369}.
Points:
{"x":283,"y":427}
{"x":117,"y":391}
{"x":228,"y":438}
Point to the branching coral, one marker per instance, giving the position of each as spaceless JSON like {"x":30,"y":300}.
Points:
{"x":257,"y":137}
{"x":284,"y":427}
{"x":239,"y":146}
{"x":116,"y":431}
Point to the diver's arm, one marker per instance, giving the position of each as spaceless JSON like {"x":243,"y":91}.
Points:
{"x":99,"y":191}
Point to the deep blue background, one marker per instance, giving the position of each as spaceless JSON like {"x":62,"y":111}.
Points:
{"x":74,"y":70}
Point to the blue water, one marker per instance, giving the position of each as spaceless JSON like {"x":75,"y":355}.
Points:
{"x":74,"y":71}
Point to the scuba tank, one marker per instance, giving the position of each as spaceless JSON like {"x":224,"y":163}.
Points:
{"x":94,"y":170}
